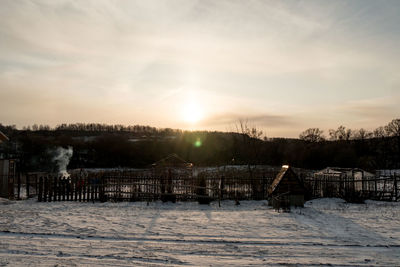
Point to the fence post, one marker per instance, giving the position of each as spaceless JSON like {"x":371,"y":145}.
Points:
{"x":395,"y":187}
{"x":50,"y":189}
{"x":96,"y":189}
{"x":80,"y":185}
{"x":36,"y":183}
{"x":101,"y":190}
{"x":55,"y":188}
{"x":84,"y":189}
{"x":92,"y":189}
{"x":46,"y":188}
{"x":59,"y":189}
{"x":27,"y":185}
{"x":19,"y":186}
{"x":40,"y":194}
{"x":220,"y":192}
{"x":75,"y":186}
{"x":71,"y":188}
{"x":67,"y":188}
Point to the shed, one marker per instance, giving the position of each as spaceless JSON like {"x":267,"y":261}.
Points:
{"x":286,"y":189}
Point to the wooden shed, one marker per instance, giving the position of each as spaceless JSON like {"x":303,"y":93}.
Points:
{"x":286,"y":189}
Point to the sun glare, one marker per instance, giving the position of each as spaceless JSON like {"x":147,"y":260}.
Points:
{"x":192,"y":112}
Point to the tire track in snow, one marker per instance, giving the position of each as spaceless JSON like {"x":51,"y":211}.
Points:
{"x":237,"y":241}
{"x":95,"y":250}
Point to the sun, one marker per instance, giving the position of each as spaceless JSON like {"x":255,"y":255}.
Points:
{"x":192,"y":112}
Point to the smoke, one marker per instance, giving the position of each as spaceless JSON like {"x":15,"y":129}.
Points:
{"x":61,"y":159}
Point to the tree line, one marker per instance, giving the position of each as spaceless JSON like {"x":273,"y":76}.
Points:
{"x":102,"y":146}
{"x":100,"y":127}
{"x":343,"y":133}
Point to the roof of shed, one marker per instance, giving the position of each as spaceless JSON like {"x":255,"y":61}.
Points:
{"x":282,"y":173}
{"x":278,"y":178}
{"x":172,"y":160}
{"x":3,"y":137}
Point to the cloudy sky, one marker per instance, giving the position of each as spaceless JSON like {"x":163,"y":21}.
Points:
{"x":283,"y":65}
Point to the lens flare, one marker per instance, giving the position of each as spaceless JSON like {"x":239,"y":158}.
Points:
{"x":198,"y":143}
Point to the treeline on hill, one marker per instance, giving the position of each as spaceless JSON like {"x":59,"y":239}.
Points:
{"x":106,"y":146}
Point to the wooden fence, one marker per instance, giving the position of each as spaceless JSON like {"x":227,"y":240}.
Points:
{"x":54,"y":187}
{"x":152,"y":185}
{"x":384,"y":188}
{"x":196,"y":184}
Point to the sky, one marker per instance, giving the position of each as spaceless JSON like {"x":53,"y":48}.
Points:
{"x":284,"y":66}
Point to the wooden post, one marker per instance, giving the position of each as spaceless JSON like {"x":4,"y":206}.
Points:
{"x":55,"y":188}
{"x":84,"y":189}
{"x":50,"y":188}
{"x":71,"y":188}
{"x":118,"y":195}
{"x":76,"y":188}
{"x":395,"y":187}
{"x":101,"y":195}
{"x":27,"y":185}
{"x":92,"y":189}
{"x":36,"y":183}
{"x":19,"y":186}
{"x":89,"y":190}
{"x":80,"y":188}
{"x":96,"y":190}
{"x":40,"y":193}
{"x":222,"y":186}
{"x":46,"y":188}
{"x":59,"y":188}
{"x":67,"y":188}
{"x":62,"y":184}
{"x":220,"y":192}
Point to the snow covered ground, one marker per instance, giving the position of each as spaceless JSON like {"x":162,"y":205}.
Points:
{"x":326,"y":231}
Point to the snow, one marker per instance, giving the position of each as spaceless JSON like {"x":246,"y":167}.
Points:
{"x":326,"y":231}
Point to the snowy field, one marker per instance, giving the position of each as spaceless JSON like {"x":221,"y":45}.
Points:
{"x":325,"y":232}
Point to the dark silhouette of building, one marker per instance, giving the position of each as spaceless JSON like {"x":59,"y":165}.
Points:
{"x":286,"y":190}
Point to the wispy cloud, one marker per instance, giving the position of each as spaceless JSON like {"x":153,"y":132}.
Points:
{"x":131,"y":61}
{"x":261,"y":120}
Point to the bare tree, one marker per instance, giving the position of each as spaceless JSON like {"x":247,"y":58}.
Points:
{"x":379,"y":132}
{"x":251,"y":137}
{"x":312,"y":135}
{"x":340,"y":134}
{"x":362,"y":134}
{"x":393,"y":128}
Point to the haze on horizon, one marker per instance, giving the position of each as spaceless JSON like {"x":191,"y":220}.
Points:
{"x":284,"y":65}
